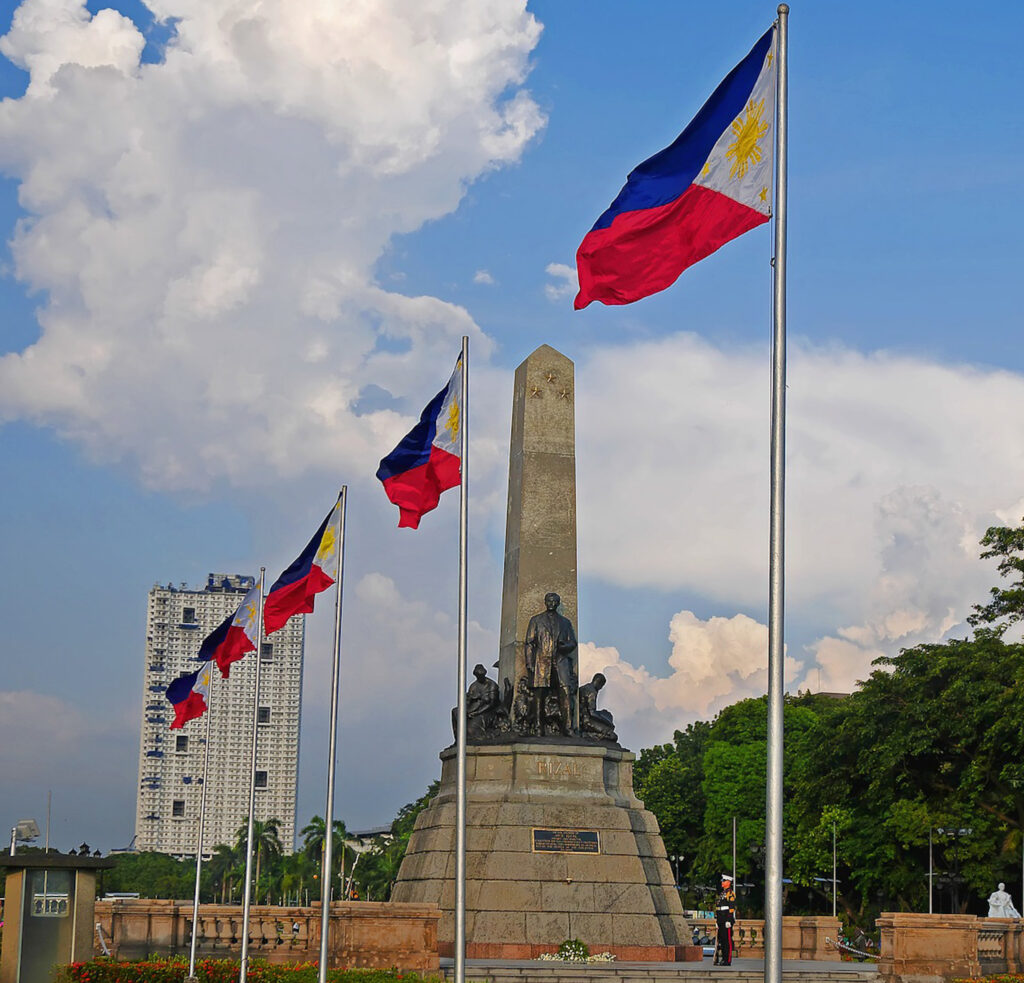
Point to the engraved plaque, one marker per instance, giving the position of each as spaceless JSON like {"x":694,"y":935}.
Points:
{"x":566,"y":841}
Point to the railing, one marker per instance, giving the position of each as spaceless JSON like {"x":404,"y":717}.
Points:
{"x":803,"y":937}
{"x":362,"y":933}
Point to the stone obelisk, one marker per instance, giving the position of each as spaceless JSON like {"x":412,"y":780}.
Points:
{"x":557,"y":844}
{"x":540,"y":525}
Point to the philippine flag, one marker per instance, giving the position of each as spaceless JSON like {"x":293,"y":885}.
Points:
{"x":427,"y":462}
{"x":235,"y":635}
{"x":189,"y":693}
{"x":709,"y":186}
{"x":293,"y":592}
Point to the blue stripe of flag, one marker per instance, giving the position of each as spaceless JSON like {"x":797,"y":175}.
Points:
{"x":414,"y":450}
{"x":665,"y":176}
{"x":179,"y":690}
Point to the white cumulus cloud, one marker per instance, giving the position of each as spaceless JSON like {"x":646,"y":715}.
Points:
{"x":713,"y":663}
{"x":565,"y":283}
{"x":204,"y":230}
{"x":896,"y":466}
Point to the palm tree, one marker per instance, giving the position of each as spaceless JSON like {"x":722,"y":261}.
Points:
{"x":379,"y":869}
{"x":313,"y":835}
{"x":298,"y":871}
{"x":266,"y":842}
{"x":222,"y":868}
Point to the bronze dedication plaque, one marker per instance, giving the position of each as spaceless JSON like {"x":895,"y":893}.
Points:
{"x":566,"y":841}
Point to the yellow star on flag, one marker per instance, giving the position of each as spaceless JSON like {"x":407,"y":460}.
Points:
{"x":452,"y":424}
{"x":326,"y":544}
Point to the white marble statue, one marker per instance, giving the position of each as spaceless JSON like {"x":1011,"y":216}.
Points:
{"x":1000,"y":904}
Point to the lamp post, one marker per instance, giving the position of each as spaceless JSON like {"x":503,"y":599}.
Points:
{"x":676,"y":859}
{"x":834,"y":880}
{"x":931,"y":869}
{"x":829,"y":884}
{"x":956,"y":834}
{"x":23,"y":831}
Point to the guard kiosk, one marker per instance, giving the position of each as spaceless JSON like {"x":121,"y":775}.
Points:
{"x":48,"y":913}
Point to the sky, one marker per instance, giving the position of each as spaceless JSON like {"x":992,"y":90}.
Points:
{"x":241,"y":242}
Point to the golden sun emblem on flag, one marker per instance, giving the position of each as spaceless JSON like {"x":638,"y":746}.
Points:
{"x":326,"y":544}
{"x":248,"y":614}
{"x":452,"y":423}
{"x":747,"y":130}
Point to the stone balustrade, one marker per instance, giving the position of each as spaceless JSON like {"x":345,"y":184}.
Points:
{"x":803,"y":936}
{"x":934,"y":948}
{"x":363,"y":934}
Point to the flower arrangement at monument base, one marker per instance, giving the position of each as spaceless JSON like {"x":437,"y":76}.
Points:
{"x":576,"y":951}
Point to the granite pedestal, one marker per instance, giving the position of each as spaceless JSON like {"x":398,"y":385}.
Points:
{"x":557,"y":847}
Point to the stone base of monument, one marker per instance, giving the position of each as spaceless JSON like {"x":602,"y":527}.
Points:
{"x":557,"y":847}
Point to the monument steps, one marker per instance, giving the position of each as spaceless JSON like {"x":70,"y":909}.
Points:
{"x":480,"y":971}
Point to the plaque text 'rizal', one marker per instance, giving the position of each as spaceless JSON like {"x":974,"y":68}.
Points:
{"x":556,"y":768}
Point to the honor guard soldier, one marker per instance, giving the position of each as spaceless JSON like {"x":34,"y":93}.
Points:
{"x":725,"y":918}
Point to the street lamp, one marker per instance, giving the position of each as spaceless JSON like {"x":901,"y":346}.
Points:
{"x":954,"y":880}
{"x":830,"y":885}
{"x":676,"y":859}
{"x":24,"y":830}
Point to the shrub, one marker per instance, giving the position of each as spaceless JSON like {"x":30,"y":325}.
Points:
{"x":223,"y":971}
{"x":574,"y":951}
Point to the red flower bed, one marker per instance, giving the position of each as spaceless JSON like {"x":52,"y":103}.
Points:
{"x":224,"y":971}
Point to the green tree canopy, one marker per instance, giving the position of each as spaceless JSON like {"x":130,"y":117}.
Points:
{"x":933,"y":739}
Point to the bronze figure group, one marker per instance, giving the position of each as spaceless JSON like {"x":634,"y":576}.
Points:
{"x":547,"y":699}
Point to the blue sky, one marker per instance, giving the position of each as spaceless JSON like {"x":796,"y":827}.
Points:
{"x":248,"y":267}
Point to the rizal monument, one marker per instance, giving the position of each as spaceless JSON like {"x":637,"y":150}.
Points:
{"x":557,"y":845}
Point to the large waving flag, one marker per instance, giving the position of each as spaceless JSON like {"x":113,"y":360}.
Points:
{"x":712,"y":184}
{"x":189,"y":694}
{"x":427,"y":462}
{"x":293,"y":592}
{"x":235,"y":635}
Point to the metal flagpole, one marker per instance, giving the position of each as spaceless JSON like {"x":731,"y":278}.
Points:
{"x":202,"y":821}
{"x":247,"y":903}
{"x":328,"y":853}
{"x":460,"y":799}
{"x":776,"y":564}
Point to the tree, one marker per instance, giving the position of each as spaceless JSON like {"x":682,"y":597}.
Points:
{"x":313,"y":837}
{"x":298,"y":873}
{"x":403,"y":823}
{"x":315,"y":832}
{"x":669,"y":781}
{"x":379,"y":866}
{"x":1007,"y":604}
{"x":223,"y":869}
{"x":152,"y":875}
{"x":933,"y":738}
{"x":266,"y":842}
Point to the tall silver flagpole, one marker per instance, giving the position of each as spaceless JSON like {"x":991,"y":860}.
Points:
{"x":247,"y":903}
{"x":328,"y":852}
{"x":202,"y":822}
{"x":776,"y":564}
{"x":460,"y":799}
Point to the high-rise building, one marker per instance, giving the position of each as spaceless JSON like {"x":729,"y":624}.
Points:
{"x":171,"y":761}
